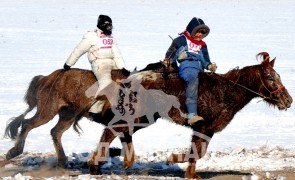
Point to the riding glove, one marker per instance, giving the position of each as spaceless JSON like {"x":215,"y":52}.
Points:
{"x":66,"y":67}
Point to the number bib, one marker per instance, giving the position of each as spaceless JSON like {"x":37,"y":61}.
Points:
{"x":192,"y":47}
{"x":105,"y":42}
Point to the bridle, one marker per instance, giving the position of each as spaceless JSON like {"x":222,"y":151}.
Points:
{"x":257,"y":93}
{"x":271,"y":92}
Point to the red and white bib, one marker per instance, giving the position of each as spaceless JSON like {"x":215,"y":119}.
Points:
{"x":192,"y":47}
{"x":105,"y":41}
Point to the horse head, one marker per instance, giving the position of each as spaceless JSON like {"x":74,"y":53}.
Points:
{"x":271,"y":86}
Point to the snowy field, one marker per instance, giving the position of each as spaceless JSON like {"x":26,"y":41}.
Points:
{"x":36,"y":37}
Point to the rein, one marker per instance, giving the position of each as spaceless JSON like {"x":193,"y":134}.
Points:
{"x":257,"y":93}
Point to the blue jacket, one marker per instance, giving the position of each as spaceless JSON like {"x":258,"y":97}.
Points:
{"x":199,"y":60}
{"x":197,"y":55}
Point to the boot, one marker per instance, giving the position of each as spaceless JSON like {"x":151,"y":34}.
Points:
{"x":194,"y":119}
{"x":93,"y":116}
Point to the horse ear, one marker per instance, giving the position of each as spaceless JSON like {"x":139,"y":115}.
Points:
{"x":272,"y":62}
{"x":265,"y":62}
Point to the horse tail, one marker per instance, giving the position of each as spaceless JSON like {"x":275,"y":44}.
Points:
{"x":76,"y":126}
{"x":30,"y":98}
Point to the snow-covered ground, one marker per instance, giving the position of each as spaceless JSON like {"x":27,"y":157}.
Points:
{"x":36,"y":37}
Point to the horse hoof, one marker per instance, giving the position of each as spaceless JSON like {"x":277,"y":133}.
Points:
{"x":11,"y":154}
{"x":8,"y":156}
{"x":63,"y":163}
{"x":192,"y":176}
{"x":94,"y":169}
{"x":127,"y":165}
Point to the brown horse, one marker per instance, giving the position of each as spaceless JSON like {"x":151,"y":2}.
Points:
{"x":221,"y":97}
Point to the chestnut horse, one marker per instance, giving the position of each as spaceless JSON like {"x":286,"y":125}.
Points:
{"x":220,"y":98}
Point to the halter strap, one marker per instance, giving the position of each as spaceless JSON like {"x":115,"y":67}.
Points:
{"x":278,"y":90}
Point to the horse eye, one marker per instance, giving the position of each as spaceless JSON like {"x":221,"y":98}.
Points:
{"x":269,"y":77}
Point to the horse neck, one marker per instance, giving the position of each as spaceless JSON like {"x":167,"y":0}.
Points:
{"x":248,"y":81}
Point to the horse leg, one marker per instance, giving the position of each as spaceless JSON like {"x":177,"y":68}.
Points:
{"x":100,"y":154}
{"x":200,"y":142}
{"x":198,"y":149}
{"x":63,"y":124}
{"x":37,"y":120}
{"x":181,"y":158}
{"x":126,"y":139}
{"x":128,"y":150}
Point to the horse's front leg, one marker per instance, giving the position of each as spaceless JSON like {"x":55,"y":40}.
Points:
{"x":200,"y":142}
{"x":127,"y":150}
{"x":99,"y":156}
{"x":126,"y":139}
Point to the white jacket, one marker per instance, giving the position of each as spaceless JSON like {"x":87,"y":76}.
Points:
{"x":98,"y":47}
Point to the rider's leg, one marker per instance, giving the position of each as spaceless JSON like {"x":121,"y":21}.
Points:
{"x":102,"y":70}
{"x":190,"y":75}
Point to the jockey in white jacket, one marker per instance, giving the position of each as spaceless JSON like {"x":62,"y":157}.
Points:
{"x":103,"y":55}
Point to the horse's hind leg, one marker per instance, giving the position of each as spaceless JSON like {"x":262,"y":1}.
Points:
{"x":37,"y":120}
{"x":63,"y":124}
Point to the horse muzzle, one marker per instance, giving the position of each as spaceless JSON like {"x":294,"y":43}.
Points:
{"x":285,"y":103}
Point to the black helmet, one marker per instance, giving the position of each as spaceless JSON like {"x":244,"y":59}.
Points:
{"x":102,"y":25}
{"x":197,"y":24}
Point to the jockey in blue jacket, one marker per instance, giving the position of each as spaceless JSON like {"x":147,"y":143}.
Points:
{"x":191,"y":53}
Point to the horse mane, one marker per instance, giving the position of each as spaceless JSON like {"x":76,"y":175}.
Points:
{"x":264,"y":55}
{"x":249,"y":73}
{"x":246,"y":74}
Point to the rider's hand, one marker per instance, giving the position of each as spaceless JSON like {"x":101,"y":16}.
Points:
{"x":66,"y":67}
{"x":166,"y":62}
{"x":212,"y":67}
{"x":125,"y":72}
